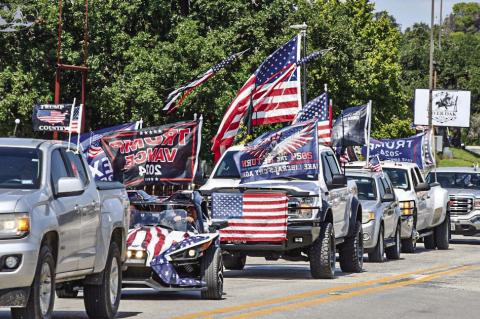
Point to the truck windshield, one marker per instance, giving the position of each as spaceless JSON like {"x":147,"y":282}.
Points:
{"x":457,"y":180}
{"x":172,"y":219}
{"x":19,"y":168}
{"x":227,"y":167}
{"x":398,"y":176}
{"x":366,"y":187}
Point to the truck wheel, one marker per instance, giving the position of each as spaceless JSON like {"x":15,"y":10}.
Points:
{"x":42,"y":292}
{"x":378,"y":252}
{"x":67,"y":292}
{"x":429,"y":241}
{"x":409,"y":245}
{"x":101,"y":301}
{"x":322,"y":254}
{"x":393,"y":252}
{"x":442,"y":234}
{"x":212,"y":273}
{"x":351,"y":251}
{"x":234,"y":262}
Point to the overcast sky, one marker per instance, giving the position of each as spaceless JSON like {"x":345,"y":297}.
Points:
{"x":407,"y":12}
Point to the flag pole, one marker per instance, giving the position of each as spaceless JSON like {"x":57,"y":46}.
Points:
{"x":70,"y":124}
{"x":369,"y":119}
{"x":80,"y":114}
{"x":304,"y":36}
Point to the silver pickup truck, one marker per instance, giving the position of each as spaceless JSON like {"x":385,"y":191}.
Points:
{"x":463,"y":186}
{"x":59,"y":230}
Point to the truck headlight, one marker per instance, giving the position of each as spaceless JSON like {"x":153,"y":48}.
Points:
{"x":367,"y":215}
{"x":301,"y":207}
{"x":476,"y":203}
{"x":14,"y":225}
{"x":407,"y":207}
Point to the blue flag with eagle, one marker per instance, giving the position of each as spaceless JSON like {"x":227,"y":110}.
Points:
{"x":291,"y":151}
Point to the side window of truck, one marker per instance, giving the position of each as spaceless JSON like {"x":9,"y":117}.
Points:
{"x":414,"y":178}
{"x":381,"y":188}
{"x":419,"y":175}
{"x":386,"y":185}
{"x":333,"y":164}
{"x":327,"y":173}
{"x":76,"y":166}
{"x":58,"y":169}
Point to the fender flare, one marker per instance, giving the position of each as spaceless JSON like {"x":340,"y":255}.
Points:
{"x":354,"y":208}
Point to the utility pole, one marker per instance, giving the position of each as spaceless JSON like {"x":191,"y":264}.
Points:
{"x":430,"y":84}
{"x":440,"y":26}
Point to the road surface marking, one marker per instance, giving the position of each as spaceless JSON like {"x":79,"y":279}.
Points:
{"x":308,"y":294}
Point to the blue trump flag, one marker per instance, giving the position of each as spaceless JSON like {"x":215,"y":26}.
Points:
{"x":291,"y":151}
{"x":399,"y":150}
{"x":92,"y":149}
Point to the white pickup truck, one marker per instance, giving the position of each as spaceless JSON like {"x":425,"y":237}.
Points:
{"x":424,"y":207}
{"x":324,"y":215}
{"x":59,"y":231}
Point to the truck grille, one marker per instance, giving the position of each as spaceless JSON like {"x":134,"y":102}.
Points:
{"x":460,"y":205}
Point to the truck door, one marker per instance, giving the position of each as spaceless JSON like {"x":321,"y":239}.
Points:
{"x":89,"y":207}
{"x":66,"y":210}
{"x":422,"y":209}
{"x":338,"y":197}
{"x":388,"y":209}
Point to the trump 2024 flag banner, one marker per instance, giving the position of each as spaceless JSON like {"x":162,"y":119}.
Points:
{"x":252,"y":216}
{"x":291,"y":151}
{"x":164,"y":154}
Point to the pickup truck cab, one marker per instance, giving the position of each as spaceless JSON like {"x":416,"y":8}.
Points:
{"x":381,"y":214}
{"x":324,"y":215}
{"x":59,"y":230}
{"x":424,"y":207}
{"x":463,"y":186}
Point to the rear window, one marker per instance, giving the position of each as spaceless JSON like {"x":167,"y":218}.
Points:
{"x":227,"y":167}
{"x":366,"y":187}
{"x":398,"y":177}
{"x":19,"y":168}
{"x":456,"y":180}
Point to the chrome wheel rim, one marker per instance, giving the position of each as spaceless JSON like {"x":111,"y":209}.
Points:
{"x":114,"y":281}
{"x":46,"y":287}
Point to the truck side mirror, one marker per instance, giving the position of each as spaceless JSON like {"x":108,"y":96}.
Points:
{"x":69,"y":186}
{"x":422,"y":187}
{"x":388,"y":198}
{"x":217,"y":225}
{"x":338,"y":181}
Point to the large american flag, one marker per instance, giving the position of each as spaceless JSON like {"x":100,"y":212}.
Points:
{"x":184,"y":91}
{"x":252,"y":217}
{"x":51,"y":116}
{"x":274,"y":91}
{"x":317,"y":109}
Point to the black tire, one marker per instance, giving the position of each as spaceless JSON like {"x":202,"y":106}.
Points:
{"x":99,"y":303}
{"x":322,"y":254}
{"x":442,"y":234}
{"x":67,"y":292}
{"x":429,"y":241}
{"x":393,"y":252}
{"x":212,"y":273}
{"x":234,"y":262}
{"x":409,"y":245}
{"x":351,"y":251}
{"x":33,"y":310}
{"x":378,"y":252}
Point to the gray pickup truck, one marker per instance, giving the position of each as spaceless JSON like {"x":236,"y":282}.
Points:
{"x":463,"y":186}
{"x":59,"y":230}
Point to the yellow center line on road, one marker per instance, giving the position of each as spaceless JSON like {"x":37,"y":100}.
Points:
{"x":308,"y":294}
{"x":361,"y":292}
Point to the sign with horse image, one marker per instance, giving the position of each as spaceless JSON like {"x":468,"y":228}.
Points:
{"x":449,"y":108}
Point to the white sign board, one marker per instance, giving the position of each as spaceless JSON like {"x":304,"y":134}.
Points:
{"x":449,"y":108}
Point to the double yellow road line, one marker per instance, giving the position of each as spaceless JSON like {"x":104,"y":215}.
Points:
{"x":296,"y":301}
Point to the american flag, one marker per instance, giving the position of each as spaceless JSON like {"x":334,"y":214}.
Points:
{"x":184,"y":91}
{"x":75,"y":119}
{"x":274,"y":90}
{"x":252,"y":217}
{"x":343,"y":156}
{"x":51,"y":116}
{"x":317,"y":109}
{"x":374,"y":164}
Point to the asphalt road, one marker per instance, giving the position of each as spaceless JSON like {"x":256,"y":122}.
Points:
{"x":427,"y":284}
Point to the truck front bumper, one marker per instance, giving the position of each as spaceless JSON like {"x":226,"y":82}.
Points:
{"x":298,"y":236}
{"x":369,"y":236}
{"x":466,"y":224}
{"x":407,"y":226}
{"x":14,"y":283}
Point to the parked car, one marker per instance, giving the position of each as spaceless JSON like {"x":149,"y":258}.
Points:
{"x":171,"y":249}
{"x":463,"y":186}
{"x":59,"y":230}
{"x":324,"y":215}
{"x":424,"y":207}
{"x":381,"y":214}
